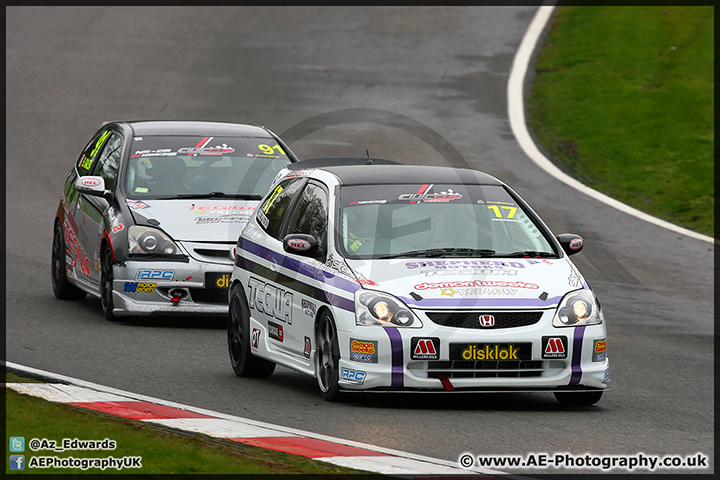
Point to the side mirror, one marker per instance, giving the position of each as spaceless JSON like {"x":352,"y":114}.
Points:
{"x":93,"y":186}
{"x":571,"y":243}
{"x":300,"y":244}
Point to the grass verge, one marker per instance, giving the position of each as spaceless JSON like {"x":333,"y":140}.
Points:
{"x":163,"y":450}
{"x":624,"y":101}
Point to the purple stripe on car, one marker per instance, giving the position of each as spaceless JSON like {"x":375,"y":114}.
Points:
{"x":397,"y":357}
{"x":299,"y":267}
{"x":309,"y":290}
{"x":577,"y":355}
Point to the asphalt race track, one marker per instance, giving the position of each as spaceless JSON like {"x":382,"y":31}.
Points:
{"x":418,"y":85}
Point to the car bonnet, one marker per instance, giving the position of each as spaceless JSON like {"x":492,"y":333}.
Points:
{"x":213,"y":220}
{"x":471,"y":282}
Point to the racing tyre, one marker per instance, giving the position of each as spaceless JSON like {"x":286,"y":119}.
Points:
{"x":62,"y":288}
{"x":106,"y":285}
{"x":243,"y":362}
{"x":578,"y":399}
{"x":327,"y":358}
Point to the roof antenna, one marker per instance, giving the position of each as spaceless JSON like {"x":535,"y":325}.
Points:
{"x":369,"y":161}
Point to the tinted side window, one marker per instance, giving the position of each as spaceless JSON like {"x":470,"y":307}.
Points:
{"x":311,"y":214}
{"x":89,"y":155}
{"x":107,"y":165}
{"x":271,"y":213}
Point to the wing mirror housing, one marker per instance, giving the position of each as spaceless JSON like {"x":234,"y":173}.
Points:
{"x":93,"y":186}
{"x":571,"y":243}
{"x":301,"y":244}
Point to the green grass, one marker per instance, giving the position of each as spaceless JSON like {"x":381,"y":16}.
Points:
{"x":163,"y":450}
{"x":624,"y":101}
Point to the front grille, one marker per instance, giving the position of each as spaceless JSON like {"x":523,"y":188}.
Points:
{"x":210,"y":295}
{"x":485,"y":369}
{"x":463,"y":319}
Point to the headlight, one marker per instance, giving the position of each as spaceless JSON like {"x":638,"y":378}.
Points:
{"x":148,"y":240}
{"x":578,"y":308}
{"x":377,"y":308}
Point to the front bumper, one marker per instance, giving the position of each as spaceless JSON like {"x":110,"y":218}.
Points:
{"x":146,"y":288}
{"x":397,"y":363}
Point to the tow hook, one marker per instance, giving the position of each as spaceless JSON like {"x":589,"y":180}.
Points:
{"x":177,"y":294}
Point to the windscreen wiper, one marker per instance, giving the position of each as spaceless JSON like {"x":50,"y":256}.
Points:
{"x":529,"y":253}
{"x":235,"y":196}
{"x":441,"y":252}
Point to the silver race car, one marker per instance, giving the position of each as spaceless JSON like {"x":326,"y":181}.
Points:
{"x":396,"y":277}
{"x":151,"y":211}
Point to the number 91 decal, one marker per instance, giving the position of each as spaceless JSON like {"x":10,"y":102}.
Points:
{"x":268,"y":150}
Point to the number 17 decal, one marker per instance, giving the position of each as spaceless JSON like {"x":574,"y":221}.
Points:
{"x":499,"y":214}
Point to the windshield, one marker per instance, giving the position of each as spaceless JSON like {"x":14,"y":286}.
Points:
{"x":200,"y":167}
{"x":386,"y":221}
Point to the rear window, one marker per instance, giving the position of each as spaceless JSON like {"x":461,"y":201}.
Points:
{"x":167,"y":166}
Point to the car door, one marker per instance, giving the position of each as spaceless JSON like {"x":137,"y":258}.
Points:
{"x":309,"y":217}
{"x":96,"y":209}
{"x":81,"y":246}
{"x":270,"y":296}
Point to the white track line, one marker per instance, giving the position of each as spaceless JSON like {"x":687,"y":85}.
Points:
{"x":516,"y":111}
{"x":224,"y":425}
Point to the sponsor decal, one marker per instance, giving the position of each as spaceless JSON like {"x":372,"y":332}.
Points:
{"x":255,"y":338}
{"x":607,"y":376}
{"x":544,"y":260}
{"x":490,"y":351}
{"x":425,"y":348}
{"x":271,"y":300}
{"x":115,"y":224}
{"x":202,"y":148}
{"x":222,"y":219}
{"x":469,"y":271}
{"x":308,"y":347}
{"x":275,"y":331}
{"x":575,"y":280}
{"x":368,"y":202}
{"x":424,"y":195}
{"x":554,"y":347}
{"x":576,"y":244}
{"x":159,"y":152}
{"x":474,"y":283}
{"x":455,"y":264}
{"x":90,"y":182}
{"x":304,"y":172}
{"x":221,"y":209}
{"x":299,"y":244}
{"x":363,"y":351}
{"x":217,"y":280}
{"x":477,"y":292}
{"x":486,"y":320}
{"x":262,"y":218}
{"x":352,"y":376}
{"x":599,"y":350}
{"x":308,"y":308}
{"x":150,"y":274}
{"x":140,"y":287}
{"x":72,"y":245}
{"x":339,"y":267}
